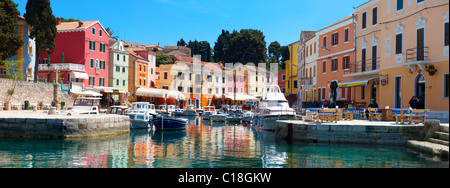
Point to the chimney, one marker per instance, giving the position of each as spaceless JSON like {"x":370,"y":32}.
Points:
{"x":80,"y":24}
{"x":58,"y":21}
{"x":158,"y":44}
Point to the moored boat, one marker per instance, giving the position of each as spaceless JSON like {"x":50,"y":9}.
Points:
{"x":168,"y":123}
{"x":141,"y":115}
{"x":248,"y":116}
{"x":84,"y":105}
{"x":219,"y":117}
{"x":274,"y":106}
{"x":190,"y":111}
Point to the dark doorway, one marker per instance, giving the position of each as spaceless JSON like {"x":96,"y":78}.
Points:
{"x":398,"y":92}
{"x":420,"y":91}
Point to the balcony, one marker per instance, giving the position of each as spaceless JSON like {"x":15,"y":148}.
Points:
{"x":417,"y":54}
{"x":365,"y":67}
{"x":61,"y":67}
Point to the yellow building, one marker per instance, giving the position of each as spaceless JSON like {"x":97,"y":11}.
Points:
{"x":291,"y":73}
{"x":411,"y":40}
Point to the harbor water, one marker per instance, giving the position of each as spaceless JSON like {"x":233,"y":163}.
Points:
{"x":203,"y":145}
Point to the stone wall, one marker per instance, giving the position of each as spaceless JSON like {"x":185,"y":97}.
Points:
{"x":345,"y":133}
{"x":33,"y":92}
{"x":41,"y":125}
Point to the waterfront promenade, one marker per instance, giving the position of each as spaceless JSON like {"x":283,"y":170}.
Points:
{"x":368,"y":132}
{"x":42,"y":125}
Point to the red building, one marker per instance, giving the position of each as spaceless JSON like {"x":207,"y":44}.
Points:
{"x":85,"y":47}
{"x":282,"y":81}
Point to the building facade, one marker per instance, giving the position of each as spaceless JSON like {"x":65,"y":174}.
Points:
{"x":26,"y":55}
{"x":336,"y":49}
{"x":414,"y":59}
{"x":307,"y":55}
{"x":291,"y":74}
{"x":118,"y":69}
{"x":84,"y":48}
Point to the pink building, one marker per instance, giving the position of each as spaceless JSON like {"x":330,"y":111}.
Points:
{"x":282,"y":81}
{"x":85,"y":46}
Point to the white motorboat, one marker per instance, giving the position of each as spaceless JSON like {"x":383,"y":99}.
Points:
{"x":208,"y":111}
{"x":167,"y":110}
{"x":178,"y":112}
{"x":141,"y":115}
{"x":84,"y":105}
{"x":248,"y":116}
{"x":273,"y":107}
{"x":190,"y":111}
{"x":219,"y":117}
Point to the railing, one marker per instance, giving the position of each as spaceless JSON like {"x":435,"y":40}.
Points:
{"x":417,"y":54}
{"x":363,"y":66}
{"x":61,"y":67}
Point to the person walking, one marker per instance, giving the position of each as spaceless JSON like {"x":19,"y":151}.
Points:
{"x":414,"y":102}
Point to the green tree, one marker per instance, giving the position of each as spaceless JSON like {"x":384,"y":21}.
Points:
{"x":163,"y":59}
{"x":222,"y":41}
{"x":14,"y":75}
{"x":9,"y":41}
{"x":40,"y":16}
{"x":69,"y":20}
{"x":181,"y":42}
{"x":246,"y":46}
{"x":275,"y":51}
{"x":111,"y":33}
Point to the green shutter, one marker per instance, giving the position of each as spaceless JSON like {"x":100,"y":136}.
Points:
{"x":399,"y":4}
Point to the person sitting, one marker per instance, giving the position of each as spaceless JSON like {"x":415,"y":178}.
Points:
{"x":372,"y":104}
{"x":414,"y":102}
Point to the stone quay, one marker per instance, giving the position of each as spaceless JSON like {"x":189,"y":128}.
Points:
{"x":355,"y":131}
{"x":31,"y":124}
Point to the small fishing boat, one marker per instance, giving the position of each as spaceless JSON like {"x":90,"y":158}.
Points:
{"x":248,"y":116}
{"x":141,"y":115}
{"x":190,"y":111}
{"x":219,"y":117}
{"x":178,"y":112}
{"x":208,"y":111}
{"x":233,"y":118}
{"x":84,"y":105}
{"x":168,"y":123}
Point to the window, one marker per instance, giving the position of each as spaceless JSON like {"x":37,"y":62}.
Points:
{"x":343,"y":92}
{"x":93,"y":30}
{"x":295,"y":83}
{"x":319,"y":92}
{"x":446,"y":86}
{"x":310,"y":49}
{"x":123,"y":83}
{"x":446,"y":37}
{"x":399,"y":43}
{"x":101,"y":82}
{"x":375,"y":16}
{"x":306,"y":51}
{"x":91,"y":80}
{"x":335,"y":39}
{"x":118,"y":57}
{"x":91,"y":45}
{"x":419,"y":1}
{"x":325,"y":41}
{"x":323,"y":93}
{"x":165,"y":75}
{"x":324,"y":63}
{"x":100,"y":32}
{"x":334,"y":65}
{"x":145,"y":68}
{"x":315,"y":47}
{"x":102,"y":47}
{"x":399,"y":5}
{"x":363,"y":93}
{"x":92,"y":63}
{"x":117,"y":82}
{"x":284,"y":77}
{"x":364,"y":20}
{"x":346,"y":33}
{"x":346,"y":62}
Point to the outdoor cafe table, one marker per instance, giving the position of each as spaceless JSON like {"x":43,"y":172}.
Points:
{"x":402,"y":114}
{"x":386,"y":115}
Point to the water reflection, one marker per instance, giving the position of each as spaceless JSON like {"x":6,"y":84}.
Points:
{"x":202,"y":145}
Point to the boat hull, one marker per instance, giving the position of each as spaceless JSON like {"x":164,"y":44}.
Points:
{"x":268,"y":123}
{"x":139,"y":124}
{"x":247,"y":118}
{"x":189,"y":113}
{"x":170,"y":123}
{"x":218,"y":118}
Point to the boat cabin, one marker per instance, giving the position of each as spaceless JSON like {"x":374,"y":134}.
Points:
{"x":85,"y":105}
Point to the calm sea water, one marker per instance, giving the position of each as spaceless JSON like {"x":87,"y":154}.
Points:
{"x":203,"y":146}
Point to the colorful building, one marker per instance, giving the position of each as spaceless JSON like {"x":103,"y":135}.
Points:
{"x":85,"y":47}
{"x":26,"y":52}
{"x":118,"y":69}
{"x":336,"y":50}
{"x":291,"y":74}
{"x":137,"y":75}
{"x":307,"y":56}
{"x":414,"y":54}
{"x":282,"y":80}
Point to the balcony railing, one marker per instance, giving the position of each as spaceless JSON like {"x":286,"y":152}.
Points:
{"x":61,"y":67}
{"x":417,"y":54}
{"x":363,"y":66}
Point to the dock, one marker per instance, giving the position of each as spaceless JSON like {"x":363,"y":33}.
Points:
{"x":37,"y":124}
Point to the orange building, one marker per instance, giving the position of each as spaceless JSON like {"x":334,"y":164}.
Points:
{"x":137,"y":74}
{"x":336,"y":51}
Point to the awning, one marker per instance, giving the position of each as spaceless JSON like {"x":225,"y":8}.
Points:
{"x":151,"y":92}
{"x":241,"y":97}
{"x":88,"y":94}
{"x":79,"y":75}
{"x":176,"y":95}
{"x":104,"y":89}
{"x":356,"y":83}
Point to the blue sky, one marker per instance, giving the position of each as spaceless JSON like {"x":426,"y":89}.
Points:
{"x":167,"y":21}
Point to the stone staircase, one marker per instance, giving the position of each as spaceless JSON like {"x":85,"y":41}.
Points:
{"x":436,"y":145}
{"x":441,"y":136}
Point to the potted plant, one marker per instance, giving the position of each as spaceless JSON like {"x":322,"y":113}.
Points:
{"x":41,"y":105}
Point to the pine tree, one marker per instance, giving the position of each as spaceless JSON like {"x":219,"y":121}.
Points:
{"x":9,"y":41}
{"x":40,"y":16}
